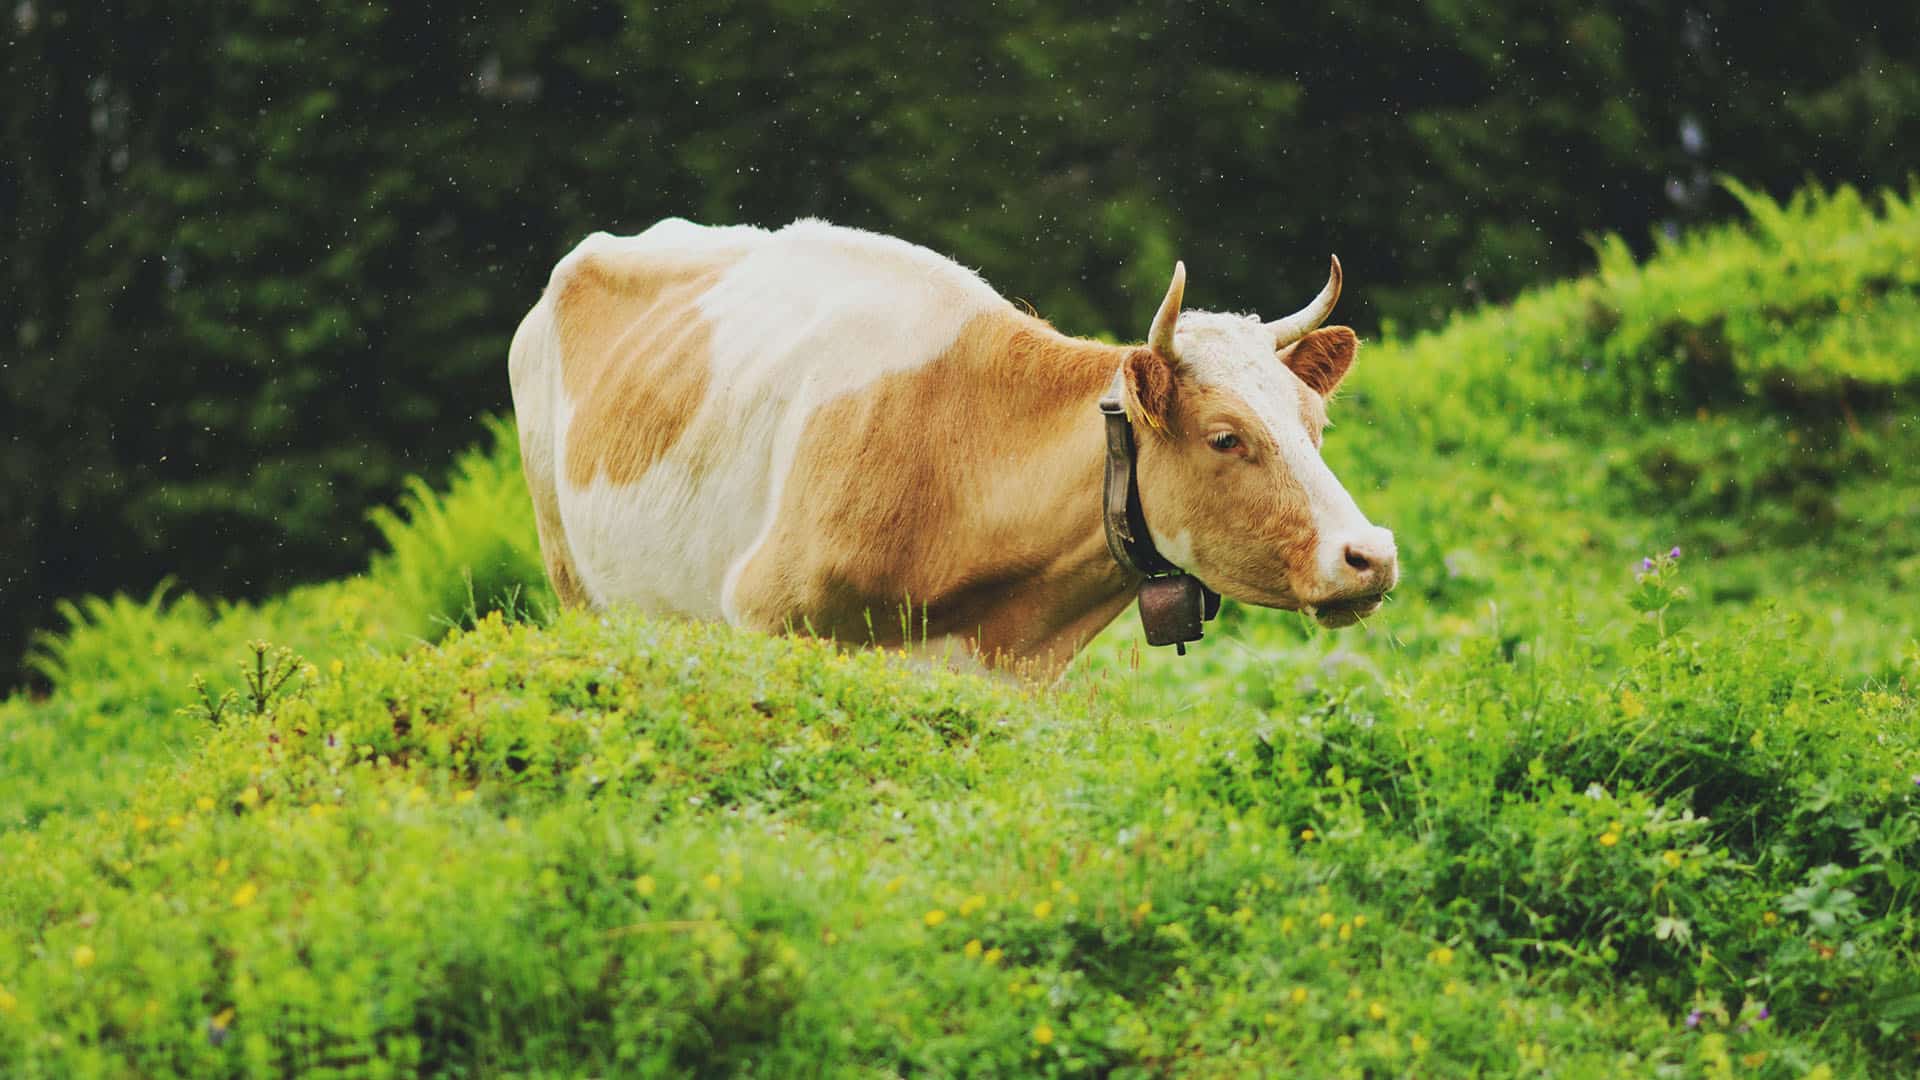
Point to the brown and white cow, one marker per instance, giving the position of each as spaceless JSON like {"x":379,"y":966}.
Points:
{"x":824,"y":429}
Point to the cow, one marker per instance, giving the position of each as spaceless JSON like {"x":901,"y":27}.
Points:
{"x":831,"y":431}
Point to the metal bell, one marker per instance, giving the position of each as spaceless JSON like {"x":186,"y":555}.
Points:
{"x":1172,"y":609}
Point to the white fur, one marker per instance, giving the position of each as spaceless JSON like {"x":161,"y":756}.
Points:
{"x":808,"y":314}
{"x":1178,"y":548}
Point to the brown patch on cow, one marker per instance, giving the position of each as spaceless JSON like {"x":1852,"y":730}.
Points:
{"x":1186,"y":485}
{"x":955,"y":499}
{"x":1322,"y":358}
{"x":634,"y":359}
{"x":1150,"y":381}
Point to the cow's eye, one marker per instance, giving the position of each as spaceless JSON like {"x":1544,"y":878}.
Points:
{"x":1223,"y":441}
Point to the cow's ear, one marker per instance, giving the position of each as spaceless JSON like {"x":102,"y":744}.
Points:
{"x":1150,"y":385}
{"x":1322,"y":358}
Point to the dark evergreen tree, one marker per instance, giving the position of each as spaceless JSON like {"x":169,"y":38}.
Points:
{"x":262,"y":260}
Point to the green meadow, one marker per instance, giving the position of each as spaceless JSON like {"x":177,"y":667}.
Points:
{"x":1624,"y":780}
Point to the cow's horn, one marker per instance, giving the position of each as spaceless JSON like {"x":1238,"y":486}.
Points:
{"x":1308,"y":319}
{"x":1160,"y":338}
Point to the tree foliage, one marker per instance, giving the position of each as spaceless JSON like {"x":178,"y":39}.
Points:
{"x":262,"y":260}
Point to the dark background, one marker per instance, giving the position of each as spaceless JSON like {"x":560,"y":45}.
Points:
{"x":262,"y":259}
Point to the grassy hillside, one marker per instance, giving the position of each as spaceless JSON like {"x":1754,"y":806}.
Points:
{"x":1562,"y":808}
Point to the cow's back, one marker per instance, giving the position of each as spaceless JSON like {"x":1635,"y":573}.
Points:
{"x":664,"y":382}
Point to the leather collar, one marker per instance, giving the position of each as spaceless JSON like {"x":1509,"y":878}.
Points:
{"x":1173,"y":603}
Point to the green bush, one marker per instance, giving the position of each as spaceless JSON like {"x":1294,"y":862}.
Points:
{"x":1572,"y":804}
{"x":625,"y":844}
{"x":126,"y":666}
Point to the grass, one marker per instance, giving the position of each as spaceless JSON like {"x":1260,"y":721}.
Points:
{"x":1556,"y":811}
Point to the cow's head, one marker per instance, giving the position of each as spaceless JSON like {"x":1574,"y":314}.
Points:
{"x":1228,"y":413}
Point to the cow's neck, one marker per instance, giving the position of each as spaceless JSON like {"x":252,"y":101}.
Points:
{"x":1055,"y":583}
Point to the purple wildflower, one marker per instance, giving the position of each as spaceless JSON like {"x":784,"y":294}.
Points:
{"x":1765,"y":1012}
{"x":1693,"y":1019}
{"x":1646,"y":565}
{"x":1675,"y":553}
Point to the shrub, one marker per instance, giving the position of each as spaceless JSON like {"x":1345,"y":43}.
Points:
{"x":1579,"y":800}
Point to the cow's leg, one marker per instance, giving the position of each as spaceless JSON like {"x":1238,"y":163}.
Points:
{"x":554,"y":552}
{"x":783,"y":591}
{"x":775,"y":593}
{"x":536,"y":460}
{"x":531,"y":361}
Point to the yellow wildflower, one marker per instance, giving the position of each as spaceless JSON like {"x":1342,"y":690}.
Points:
{"x":1327,"y":920}
{"x":83,"y":956}
{"x":1043,"y":909}
{"x":336,"y":667}
{"x":1299,"y":995}
{"x":644,"y":885}
{"x":934,"y":918}
{"x":1145,"y":909}
{"x":250,"y":798}
{"x":1346,"y":931}
{"x":1359,"y":922}
{"x":7,"y":1001}
{"x":1420,"y":1043}
{"x":245,"y":894}
{"x":1769,"y":918}
{"x":894,"y":885}
{"x":1609,"y":838}
{"x":1377,"y":1011}
{"x":204,"y":802}
{"x":1671,"y":857}
{"x":1042,"y":1034}
{"x":972,"y":949}
{"x":992,"y":957}
{"x":220,"y":868}
{"x":463,"y":796}
{"x":1306,"y":834}
{"x":1442,"y":956}
{"x":141,"y":823}
{"x":972,"y":904}
{"x":712,"y":882}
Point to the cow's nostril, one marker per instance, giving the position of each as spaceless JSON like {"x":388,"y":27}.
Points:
{"x":1356,"y":560}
